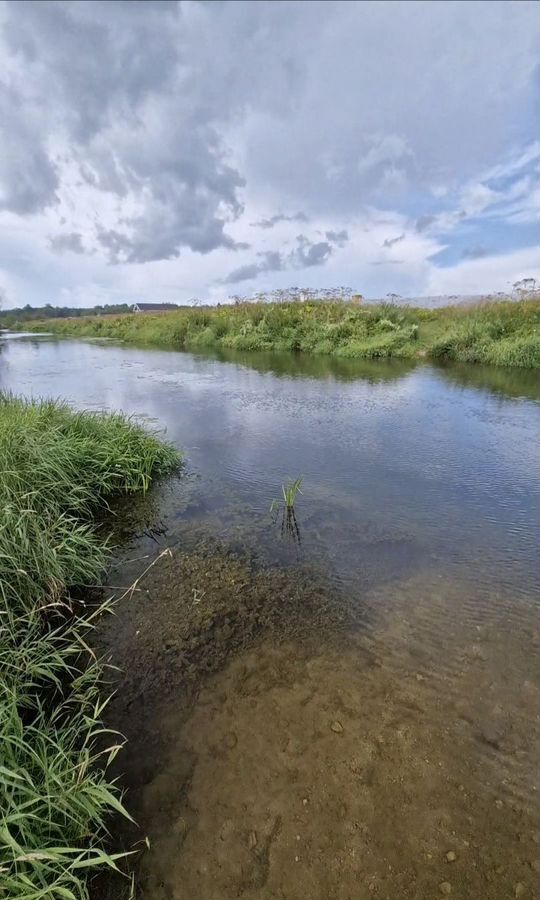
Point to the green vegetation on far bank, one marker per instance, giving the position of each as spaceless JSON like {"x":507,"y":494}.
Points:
{"x":57,"y":467}
{"x":502,"y":333}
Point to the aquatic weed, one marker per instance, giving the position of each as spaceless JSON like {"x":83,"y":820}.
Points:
{"x":289,"y":490}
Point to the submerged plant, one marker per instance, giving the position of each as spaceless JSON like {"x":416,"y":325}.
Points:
{"x":289,"y":526}
{"x":290,"y":489}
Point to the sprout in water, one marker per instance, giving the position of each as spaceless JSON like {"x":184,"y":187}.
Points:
{"x":290,"y":489}
{"x":289,"y":525}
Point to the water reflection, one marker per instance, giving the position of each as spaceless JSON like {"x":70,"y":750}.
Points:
{"x":23,"y":335}
{"x":301,"y":365}
{"x":506,"y":381}
{"x":404,"y":465}
{"x":289,"y":528}
{"x":420,"y":515}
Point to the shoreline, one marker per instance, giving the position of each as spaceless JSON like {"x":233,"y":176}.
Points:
{"x":496,"y":333}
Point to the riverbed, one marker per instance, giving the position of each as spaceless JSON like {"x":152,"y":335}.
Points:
{"x":348,"y":708}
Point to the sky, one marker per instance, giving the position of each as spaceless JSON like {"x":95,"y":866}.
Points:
{"x":167,"y":151}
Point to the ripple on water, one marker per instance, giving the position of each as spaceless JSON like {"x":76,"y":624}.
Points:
{"x":416,"y":631}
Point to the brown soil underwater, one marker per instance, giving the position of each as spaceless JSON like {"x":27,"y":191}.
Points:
{"x":281,"y":747}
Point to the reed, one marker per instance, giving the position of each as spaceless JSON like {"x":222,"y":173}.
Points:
{"x":289,"y":491}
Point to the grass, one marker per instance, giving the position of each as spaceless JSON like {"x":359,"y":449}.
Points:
{"x":503,"y":333}
{"x":57,"y":467}
{"x":289,"y":491}
{"x":289,"y":525}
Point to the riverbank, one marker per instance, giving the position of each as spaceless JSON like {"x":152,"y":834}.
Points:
{"x":501,"y":333}
{"x":57,"y":469}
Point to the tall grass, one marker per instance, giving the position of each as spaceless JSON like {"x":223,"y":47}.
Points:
{"x":497,"y":333}
{"x":56,"y":468}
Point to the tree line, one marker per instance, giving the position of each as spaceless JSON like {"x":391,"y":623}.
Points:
{"x":13,"y":317}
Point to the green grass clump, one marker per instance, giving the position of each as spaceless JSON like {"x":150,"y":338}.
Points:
{"x":56,"y":468}
{"x":496,"y":333}
{"x":500,"y":334}
{"x":289,"y":492}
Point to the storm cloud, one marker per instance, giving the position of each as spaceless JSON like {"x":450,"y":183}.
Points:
{"x":71,"y":242}
{"x":268,"y":262}
{"x":280,"y":217}
{"x":108,"y":91}
{"x":159,"y":140}
{"x":339,"y":238}
{"x":304,"y":255}
{"x":390,"y":242}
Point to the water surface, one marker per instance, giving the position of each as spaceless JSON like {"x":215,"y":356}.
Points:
{"x":420,"y":519}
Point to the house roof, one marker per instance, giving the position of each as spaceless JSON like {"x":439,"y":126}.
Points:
{"x":154,"y":306}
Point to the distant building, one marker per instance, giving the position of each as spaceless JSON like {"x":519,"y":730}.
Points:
{"x":357,"y":298}
{"x":153,"y":307}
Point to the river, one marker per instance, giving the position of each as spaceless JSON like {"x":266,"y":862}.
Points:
{"x":344,"y":709}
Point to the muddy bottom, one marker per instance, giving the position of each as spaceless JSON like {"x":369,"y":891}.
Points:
{"x":282,"y":744}
{"x":320,"y":776}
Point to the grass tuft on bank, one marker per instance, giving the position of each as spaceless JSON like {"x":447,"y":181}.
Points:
{"x":501,"y":333}
{"x":57,"y":467}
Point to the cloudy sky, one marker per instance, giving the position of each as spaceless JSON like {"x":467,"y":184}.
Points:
{"x":165,"y":151}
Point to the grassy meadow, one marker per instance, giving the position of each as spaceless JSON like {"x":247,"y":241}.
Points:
{"x":57,"y":467}
{"x":501,"y":333}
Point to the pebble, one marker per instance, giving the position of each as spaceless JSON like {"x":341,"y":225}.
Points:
{"x":499,"y":804}
{"x":445,"y":888}
{"x":252,"y":840}
{"x":535,"y":865}
{"x":337,"y":727}
{"x":231,"y":740}
{"x":305,"y":801}
{"x":450,"y":856}
{"x":227,"y":830}
{"x":519,"y":889}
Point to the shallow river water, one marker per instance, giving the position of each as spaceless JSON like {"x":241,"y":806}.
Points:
{"x":348,"y":708}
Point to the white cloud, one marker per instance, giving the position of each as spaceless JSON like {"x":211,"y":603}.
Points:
{"x":475,"y":197}
{"x":485,"y":275}
{"x":140,"y":134}
{"x":383,"y":149}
